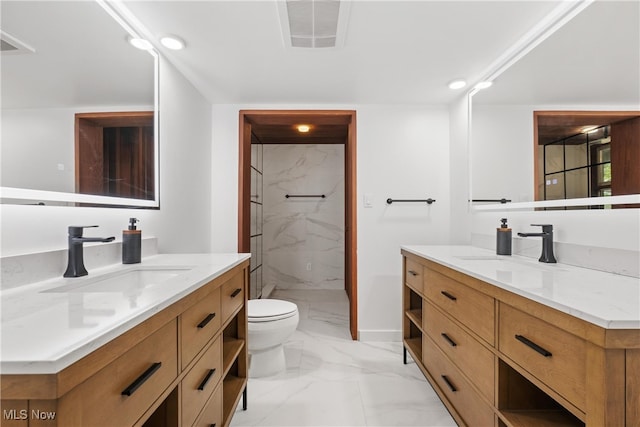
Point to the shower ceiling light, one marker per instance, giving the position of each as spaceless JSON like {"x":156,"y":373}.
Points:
{"x":304,"y":128}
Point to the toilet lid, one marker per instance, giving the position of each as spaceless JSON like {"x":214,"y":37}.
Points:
{"x":267,"y":310}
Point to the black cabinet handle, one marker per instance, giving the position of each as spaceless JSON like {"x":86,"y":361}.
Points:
{"x":534,"y":346}
{"x":206,"y":379}
{"x":451,"y":386}
{"x":206,"y":320}
{"x":236,"y":292}
{"x":451,"y":342}
{"x":448,"y":295}
{"x":141,"y":379}
{"x":413,"y":273}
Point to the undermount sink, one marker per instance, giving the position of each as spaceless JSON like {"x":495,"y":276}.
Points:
{"x":508,"y":263}
{"x":476,"y":257}
{"x":137,"y":278}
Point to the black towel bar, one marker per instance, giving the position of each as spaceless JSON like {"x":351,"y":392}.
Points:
{"x":305,"y":195}
{"x":503,"y":200}
{"x":427,"y":201}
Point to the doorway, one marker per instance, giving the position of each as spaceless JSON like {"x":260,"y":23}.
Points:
{"x":114,"y":154}
{"x":327,"y":127}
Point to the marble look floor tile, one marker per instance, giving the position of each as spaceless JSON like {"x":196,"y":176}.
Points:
{"x":332,"y":380}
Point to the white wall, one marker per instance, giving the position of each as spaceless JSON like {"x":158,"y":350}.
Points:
{"x":460,"y":218}
{"x":502,"y":152}
{"x":403,"y":152}
{"x":183,"y":222}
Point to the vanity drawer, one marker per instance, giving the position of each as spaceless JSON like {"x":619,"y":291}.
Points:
{"x":198,"y":325}
{"x":201,"y":381}
{"x":465,"y":351}
{"x":470,"y":307}
{"x":413,"y":274}
{"x":469,"y":405}
{"x":550,"y":354}
{"x":121,"y":392}
{"x":232,"y":295}
{"x":212,"y":414}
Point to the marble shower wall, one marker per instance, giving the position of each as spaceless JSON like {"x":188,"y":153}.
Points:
{"x":303,"y":238}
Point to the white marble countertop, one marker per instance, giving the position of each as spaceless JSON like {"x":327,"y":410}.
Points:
{"x":44,"y":330}
{"x":608,"y":300}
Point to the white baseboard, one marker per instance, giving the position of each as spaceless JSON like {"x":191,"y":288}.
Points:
{"x":380,"y":335}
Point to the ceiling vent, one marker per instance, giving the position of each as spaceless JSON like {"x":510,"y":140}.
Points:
{"x":313,"y":23}
{"x":11,"y":45}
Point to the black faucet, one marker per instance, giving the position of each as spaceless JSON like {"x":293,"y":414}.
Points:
{"x":547,"y":242}
{"x":75,"y":266}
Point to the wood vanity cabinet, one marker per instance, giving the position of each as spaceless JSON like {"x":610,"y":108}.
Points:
{"x":184,"y":366}
{"x":499,"y":359}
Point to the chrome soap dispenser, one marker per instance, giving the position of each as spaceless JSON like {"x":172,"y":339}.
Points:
{"x":503,"y":238}
{"x":131,"y":243}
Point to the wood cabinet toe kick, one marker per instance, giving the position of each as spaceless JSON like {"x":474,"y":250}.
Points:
{"x":170,"y":370}
{"x":499,"y":359}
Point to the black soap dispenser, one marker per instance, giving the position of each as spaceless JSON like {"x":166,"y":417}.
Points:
{"x":131,"y":243}
{"x":503,"y":238}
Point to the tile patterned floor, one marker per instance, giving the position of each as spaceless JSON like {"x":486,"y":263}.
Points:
{"x":334,"y":381}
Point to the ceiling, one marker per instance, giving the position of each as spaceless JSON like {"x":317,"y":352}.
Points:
{"x":593,"y":60}
{"x":76,"y":55}
{"x":394,"y":52}
{"x":391,"y":52}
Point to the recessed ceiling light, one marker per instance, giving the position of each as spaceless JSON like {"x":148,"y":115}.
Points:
{"x":483,"y":85}
{"x":172,"y":42}
{"x":303,"y":128}
{"x":140,"y":43}
{"x":457,"y":84}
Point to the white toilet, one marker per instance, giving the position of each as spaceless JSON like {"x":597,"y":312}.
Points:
{"x":271,"y":323}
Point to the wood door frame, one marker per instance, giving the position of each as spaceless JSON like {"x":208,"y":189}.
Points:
{"x":88,"y":146}
{"x":244,"y":188}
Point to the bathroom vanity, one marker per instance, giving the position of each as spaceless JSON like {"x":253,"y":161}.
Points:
{"x":509,"y":341}
{"x":161,"y":343}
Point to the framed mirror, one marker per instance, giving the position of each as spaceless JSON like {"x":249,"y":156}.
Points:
{"x":79,"y":107}
{"x":590,"y":64}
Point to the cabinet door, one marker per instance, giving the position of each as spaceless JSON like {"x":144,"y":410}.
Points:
{"x":232,"y":295}
{"x":212,"y":414}
{"x":472,"y":308}
{"x":121,"y":392}
{"x":475,"y":360}
{"x":413,"y":275}
{"x":469,"y":405}
{"x":551,"y":354}
{"x":198,"y":325}
{"x":201,"y":381}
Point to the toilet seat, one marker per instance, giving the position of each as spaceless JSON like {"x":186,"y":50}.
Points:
{"x":270,"y":310}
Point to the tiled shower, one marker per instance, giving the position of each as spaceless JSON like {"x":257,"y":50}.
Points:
{"x":297,"y":242}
